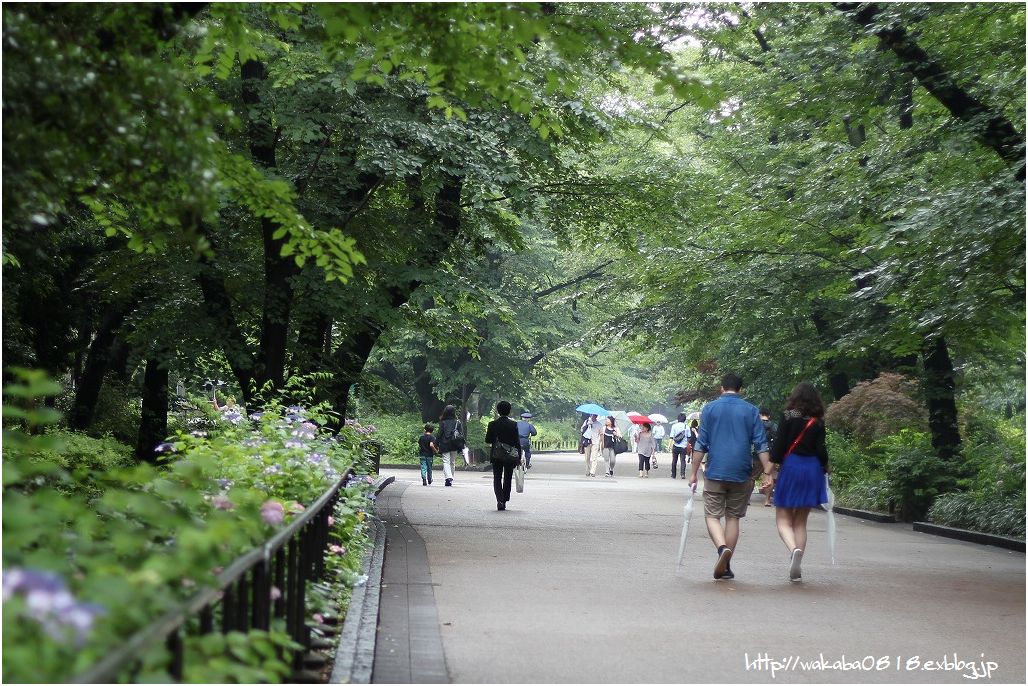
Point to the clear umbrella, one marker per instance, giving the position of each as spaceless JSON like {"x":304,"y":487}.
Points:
{"x":831,"y":518}
{"x":687,"y":511}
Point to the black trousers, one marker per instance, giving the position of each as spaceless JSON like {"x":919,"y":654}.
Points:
{"x":502,"y":476}
{"x":526,"y":450}
{"x":676,"y":455}
{"x":644,"y":463}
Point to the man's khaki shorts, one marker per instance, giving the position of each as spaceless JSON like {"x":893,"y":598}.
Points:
{"x":726,"y":498}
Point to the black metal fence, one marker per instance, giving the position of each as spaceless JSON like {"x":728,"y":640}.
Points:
{"x":242,"y":600}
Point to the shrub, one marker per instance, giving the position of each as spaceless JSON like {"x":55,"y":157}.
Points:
{"x":878,"y":408}
{"x":994,"y":455}
{"x":113,"y":547}
{"x":915,"y":473}
{"x":1004,"y":517}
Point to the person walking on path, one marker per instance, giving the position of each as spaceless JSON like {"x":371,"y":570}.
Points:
{"x":525,"y":433}
{"x":802,"y":456}
{"x":646,"y":446}
{"x":427,"y":449}
{"x":679,"y":441}
{"x":505,"y":452}
{"x":729,"y":427}
{"x":767,"y":487}
{"x":609,"y":434}
{"x":590,"y":429}
{"x":658,"y":436}
{"x":450,"y":441}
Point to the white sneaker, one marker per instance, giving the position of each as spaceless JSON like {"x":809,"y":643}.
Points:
{"x":794,"y":565}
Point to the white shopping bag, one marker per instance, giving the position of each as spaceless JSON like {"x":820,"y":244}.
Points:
{"x":519,"y":478}
{"x":467,"y":457}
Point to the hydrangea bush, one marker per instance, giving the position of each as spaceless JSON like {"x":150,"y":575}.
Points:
{"x":91,"y":555}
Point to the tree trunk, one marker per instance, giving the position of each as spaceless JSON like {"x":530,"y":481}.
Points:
{"x":939,"y":389}
{"x":838,"y":380}
{"x":270,"y":366}
{"x":97,"y":363}
{"x":153,"y":424}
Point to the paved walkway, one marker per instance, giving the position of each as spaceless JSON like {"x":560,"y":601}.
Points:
{"x":576,"y":582}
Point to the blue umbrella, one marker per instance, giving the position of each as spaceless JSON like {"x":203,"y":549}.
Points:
{"x":592,"y":408}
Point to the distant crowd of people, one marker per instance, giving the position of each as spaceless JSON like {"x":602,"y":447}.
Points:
{"x":734,"y":441}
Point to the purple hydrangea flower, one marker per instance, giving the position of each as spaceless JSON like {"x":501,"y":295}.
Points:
{"x":232,"y":416}
{"x":164,"y":448}
{"x":255,"y":416}
{"x":222,"y":502}
{"x":198,"y":434}
{"x":48,"y":601}
{"x":273,"y":512}
{"x":305,"y":430}
{"x":293,"y":444}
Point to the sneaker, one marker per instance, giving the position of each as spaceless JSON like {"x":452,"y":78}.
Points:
{"x":606,"y":474}
{"x":794,"y":565}
{"x":724,"y":557}
{"x":729,"y":574}
{"x":424,"y":481}
{"x":449,"y":482}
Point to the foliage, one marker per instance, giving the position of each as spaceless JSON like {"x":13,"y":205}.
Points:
{"x":990,"y":515}
{"x":129,"y":542}
{"x":875,"y":409}
{"x":916,"y":475}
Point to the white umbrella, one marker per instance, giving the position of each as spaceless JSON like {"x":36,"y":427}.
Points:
{"x":658,"y":418}
{"x":831,"y":518}
{"x":687,"y":511}
{"x":692,"y":416}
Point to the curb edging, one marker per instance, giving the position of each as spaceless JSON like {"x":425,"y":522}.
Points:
{"x":355,"y":652}
{"x":866,"y":514}
{"x":970,"y":536}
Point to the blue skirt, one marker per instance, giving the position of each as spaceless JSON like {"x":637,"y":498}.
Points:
{"x":801,"y":482}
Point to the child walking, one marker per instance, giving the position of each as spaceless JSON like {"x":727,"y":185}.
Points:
{"x":427,"y":449}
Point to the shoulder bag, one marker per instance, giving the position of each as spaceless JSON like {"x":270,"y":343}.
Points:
{"x":799,"y":438}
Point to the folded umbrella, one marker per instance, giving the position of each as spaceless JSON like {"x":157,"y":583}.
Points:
{"x":593,"y":408}
{"x":831,"y":518}
{"x":687,"y":511}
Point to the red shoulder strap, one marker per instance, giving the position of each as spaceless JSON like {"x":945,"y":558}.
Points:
{"x":800,"y":437}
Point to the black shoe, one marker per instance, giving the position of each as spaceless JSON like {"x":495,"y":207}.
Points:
{"x":724,"y":557}
{"x":501,"y":506}
{"x":673,"y":475}
{"x":424,"y":481}
{"x":728,"y":574}
{"x":449,"y":482}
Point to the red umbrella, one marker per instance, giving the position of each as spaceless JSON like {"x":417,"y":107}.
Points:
{"x":640,"y":419}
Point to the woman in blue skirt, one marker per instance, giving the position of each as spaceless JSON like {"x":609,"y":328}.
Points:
{"x":802,"y":456}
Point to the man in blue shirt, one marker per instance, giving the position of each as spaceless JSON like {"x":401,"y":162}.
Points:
{"x":730,"y":428}
{"x":525,"y":433}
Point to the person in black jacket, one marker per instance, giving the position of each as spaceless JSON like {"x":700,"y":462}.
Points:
{"x":505,"y":453}
{"x":800,"y":451}
{"x":450,"y":441}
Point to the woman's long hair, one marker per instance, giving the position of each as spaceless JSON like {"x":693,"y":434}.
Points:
{"x":609,"y":421}
{"x":806,"y":400}
{"x":449,"y":412}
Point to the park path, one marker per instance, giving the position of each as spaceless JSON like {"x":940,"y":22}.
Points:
{"x":576,"y":582}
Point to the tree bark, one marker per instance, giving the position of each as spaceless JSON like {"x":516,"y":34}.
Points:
{"x":153,"y":423}
{"x":218,"y":306}
{"x":351,"y":356}
{"x":994,"y":130}
{"x":838,"y":380}
{"x":270,"y":365}
{"x":939,"y":389}
{"x":98,"y":362}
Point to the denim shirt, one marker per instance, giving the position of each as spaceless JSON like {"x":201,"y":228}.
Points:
{"x":730,"y":428}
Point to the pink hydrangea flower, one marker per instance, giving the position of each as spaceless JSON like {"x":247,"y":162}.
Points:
{"x":275,"y":593}
{"x":296,"y":508}
{"x":337,"y":549}
{"x":222,"y":502}
{"x":272,"y":512}
{"x":318,"y":618}
{"x":331,"y":520}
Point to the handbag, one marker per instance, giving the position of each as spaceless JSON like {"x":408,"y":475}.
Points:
{"x":504,"y":454}
{"x":519,"y":478}
{"x":620,"y":446}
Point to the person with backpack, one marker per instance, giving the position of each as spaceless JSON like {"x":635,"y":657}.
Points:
{"x":427,"y":450}
{"x":450,"y":440}
{"x":767,"y":487}
{"x":679,"y":440}
{"x":802,"y":457}
{"x":525,"y":433}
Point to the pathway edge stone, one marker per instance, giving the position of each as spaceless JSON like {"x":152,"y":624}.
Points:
{"x":970,"y":536}
{"x":355,"y":652}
